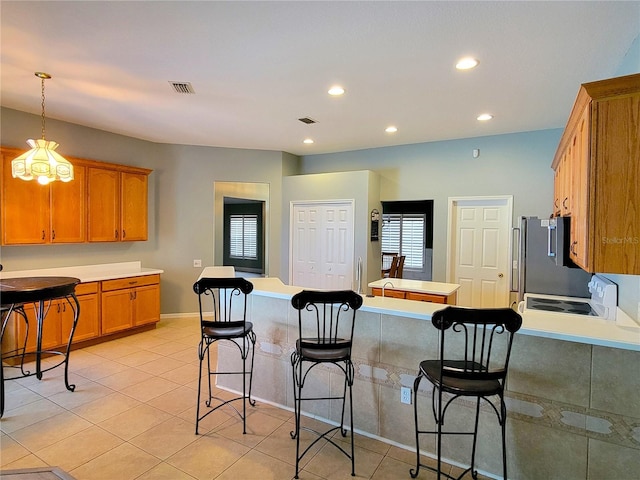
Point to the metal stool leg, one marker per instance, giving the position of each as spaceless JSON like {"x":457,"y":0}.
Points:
{"x":350,"y":381}
{"x":416,"y":383}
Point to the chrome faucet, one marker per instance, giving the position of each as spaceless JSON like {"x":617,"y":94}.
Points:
{"x":385,"y":286}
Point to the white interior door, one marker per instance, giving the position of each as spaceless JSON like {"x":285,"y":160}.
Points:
{"x":479,"y":250}
{"x":322,"y":245}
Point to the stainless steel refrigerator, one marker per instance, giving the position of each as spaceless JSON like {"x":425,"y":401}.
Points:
{"x":542,"y":262}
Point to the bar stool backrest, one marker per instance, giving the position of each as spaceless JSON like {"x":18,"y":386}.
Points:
{"x":475,"y":344}
{"x":222,"y":301}
{"x":326,"y":318}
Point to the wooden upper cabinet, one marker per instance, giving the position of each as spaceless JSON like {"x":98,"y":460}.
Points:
{"x":117,"y":205}
{"x":105,"y":202}
{"x":25,"y":207}
{"x":39,"y":214}
{"x":68,"y":211}
{"x":133,"y":206}
{"x":602,"y":139}
{"x":103,"y":187}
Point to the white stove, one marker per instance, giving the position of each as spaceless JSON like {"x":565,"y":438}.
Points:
{"x":602,"y":304}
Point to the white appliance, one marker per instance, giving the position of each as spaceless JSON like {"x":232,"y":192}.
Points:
{"x":602,"y":304}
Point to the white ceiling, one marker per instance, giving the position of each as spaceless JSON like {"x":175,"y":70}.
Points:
{"x":257,"y":67}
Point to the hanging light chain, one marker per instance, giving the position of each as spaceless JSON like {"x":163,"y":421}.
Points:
{"x":43,"y":76}
{"x":42,"y":107}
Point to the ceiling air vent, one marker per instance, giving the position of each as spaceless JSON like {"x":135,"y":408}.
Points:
{"x":182,"y":87}
{"x":307,"y":120}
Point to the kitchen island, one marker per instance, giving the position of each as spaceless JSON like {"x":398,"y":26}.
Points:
{"x":419,"y":290}
{"x":572,"y":401}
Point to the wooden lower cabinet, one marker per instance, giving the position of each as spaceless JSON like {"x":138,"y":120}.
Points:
{"x":58,"y":322}
{"x":127,"y":303}
{"x":130,"y":302}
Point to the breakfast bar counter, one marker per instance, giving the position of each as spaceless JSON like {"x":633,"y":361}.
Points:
{"x":622,"y":333}
{"x":572,"y":400}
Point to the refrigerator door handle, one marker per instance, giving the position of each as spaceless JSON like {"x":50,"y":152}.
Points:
{"x":515,"y":259}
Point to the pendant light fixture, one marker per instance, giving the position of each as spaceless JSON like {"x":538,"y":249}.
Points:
{"x":42,"y":162}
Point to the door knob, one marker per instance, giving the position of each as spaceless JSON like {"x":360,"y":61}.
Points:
{"x":500,"y":275}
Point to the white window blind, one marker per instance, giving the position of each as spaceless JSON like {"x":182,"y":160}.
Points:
{"x":243,"y":231}
{"x":404,"y":233}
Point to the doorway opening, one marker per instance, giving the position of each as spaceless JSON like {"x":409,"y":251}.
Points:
{"x":407,"y":230}
{"x":243,"y":236}
{"x":241,"y":193}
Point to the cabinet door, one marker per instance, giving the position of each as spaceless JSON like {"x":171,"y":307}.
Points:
{"x":25,"y":208}
{"x":116,"y":310}
{"x":68,"y":209}
{"x":51,"y":326}
{"x":103,"y":189}
{"x":146,"y":305}
{"x":580,"y":193}
{"x":616,"y":155}
{"x":565,"y":179}
{"x":88,"y":322}
{"x":133,"y":206}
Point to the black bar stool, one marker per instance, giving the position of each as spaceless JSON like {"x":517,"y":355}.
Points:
{"x":326,"y":320}
{"x":474,"y":351}
{"x":229,"y":324}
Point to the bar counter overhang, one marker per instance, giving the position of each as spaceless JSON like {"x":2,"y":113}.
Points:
{"x":571,"y":391}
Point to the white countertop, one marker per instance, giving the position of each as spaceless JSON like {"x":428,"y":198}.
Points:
{"x":88,"y":273}
{"x":418,"y":286}
{"x":623,"y":333}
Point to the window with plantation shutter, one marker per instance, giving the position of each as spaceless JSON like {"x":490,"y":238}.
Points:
{"x":243,"y":237}
{"x":404,"y":233}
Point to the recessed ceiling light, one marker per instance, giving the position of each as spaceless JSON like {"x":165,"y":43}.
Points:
{"x":466,"y":63}
{"x":336,"y":90}
{"x":307,"y":140}
{"x":484,"y":117}
{"x":391,"y":129}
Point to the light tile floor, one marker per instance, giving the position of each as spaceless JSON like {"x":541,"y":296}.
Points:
{"x":132,"y":417}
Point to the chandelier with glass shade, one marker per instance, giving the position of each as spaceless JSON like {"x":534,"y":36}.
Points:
{"x":42,"y":162}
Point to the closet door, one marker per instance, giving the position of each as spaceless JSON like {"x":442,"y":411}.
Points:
{"x":322,"y":245}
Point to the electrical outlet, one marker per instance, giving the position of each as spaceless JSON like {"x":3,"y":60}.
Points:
{"x":405,"y":395}
{"x":197,"y":263}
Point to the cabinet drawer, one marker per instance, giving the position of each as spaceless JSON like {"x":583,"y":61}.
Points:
{"x":86,"y":288}
{"x":120,"y":283}
{"x":426,"y":297}
{"x":377,"y":292}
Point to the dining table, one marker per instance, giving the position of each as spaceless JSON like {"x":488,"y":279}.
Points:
{"x":15,"y":293}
